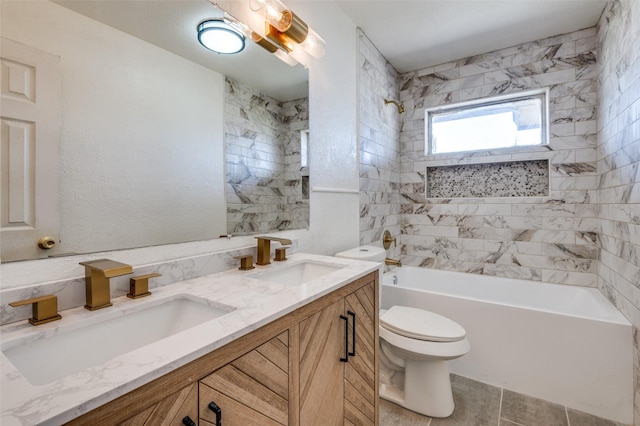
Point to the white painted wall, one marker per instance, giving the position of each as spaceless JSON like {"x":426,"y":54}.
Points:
{"x":155,"y":121}
{"x":333,"y":146}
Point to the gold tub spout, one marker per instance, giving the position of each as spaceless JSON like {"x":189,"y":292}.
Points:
{"x":394,"y":262}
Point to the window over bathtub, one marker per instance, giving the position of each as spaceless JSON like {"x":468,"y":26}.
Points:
{"x":502,"y":122}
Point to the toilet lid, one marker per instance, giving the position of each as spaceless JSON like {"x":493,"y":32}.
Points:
{"x":421,"y":325}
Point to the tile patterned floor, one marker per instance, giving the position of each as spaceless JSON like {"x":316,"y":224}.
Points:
{"x":479,"y":404}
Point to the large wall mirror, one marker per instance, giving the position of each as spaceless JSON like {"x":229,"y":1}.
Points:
{"x":162,"y":141}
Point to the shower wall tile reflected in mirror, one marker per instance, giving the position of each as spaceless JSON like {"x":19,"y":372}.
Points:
{"x":264,"y":176}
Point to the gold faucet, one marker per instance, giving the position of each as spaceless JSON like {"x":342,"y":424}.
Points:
{"x":96,"y":277}
{"x":264,"y":248}
{"x":388,"y":261}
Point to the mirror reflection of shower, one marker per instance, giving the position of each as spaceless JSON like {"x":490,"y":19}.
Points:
{"x":396,"y":103}
{"x":267,"y":172}
{"x":304,"y":162}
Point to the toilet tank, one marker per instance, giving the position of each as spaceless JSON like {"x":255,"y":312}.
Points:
{"x":370,"y":253}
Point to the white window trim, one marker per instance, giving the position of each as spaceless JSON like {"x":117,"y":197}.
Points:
{"x":304,"y":149}
{"x":487,"y":101}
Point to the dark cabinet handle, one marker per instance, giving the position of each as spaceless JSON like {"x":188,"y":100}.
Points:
{"x":353,"y":333}
{"x":214,"y":407}
{"x":346,"y":339}
{"x":188,"y":422}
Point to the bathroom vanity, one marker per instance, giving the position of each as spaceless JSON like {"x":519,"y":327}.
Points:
{"x":295,"y":343}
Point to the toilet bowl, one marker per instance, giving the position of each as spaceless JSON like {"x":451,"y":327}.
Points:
{"x":415,"y":346}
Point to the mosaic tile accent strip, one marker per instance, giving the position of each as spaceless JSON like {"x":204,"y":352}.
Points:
{"x":509,"y":179}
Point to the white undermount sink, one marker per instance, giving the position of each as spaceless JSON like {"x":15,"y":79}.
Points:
{"x":73,"y":348}
{"x":300,"y":272}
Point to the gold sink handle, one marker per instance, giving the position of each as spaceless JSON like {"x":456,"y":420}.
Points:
{"x":281,"y":254}
{"x":139,"y":286}
{"x":44,"y":308}
{"x":246,"y":262}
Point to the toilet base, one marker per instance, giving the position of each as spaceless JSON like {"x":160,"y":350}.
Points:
{"x":427,"y":389}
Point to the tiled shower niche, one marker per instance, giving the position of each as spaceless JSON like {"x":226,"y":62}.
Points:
{"x":508,"y":179}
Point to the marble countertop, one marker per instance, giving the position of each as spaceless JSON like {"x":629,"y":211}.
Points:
{"x":255,"y":302}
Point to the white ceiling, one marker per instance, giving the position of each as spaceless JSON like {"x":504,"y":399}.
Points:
{"x":411,"y":34}
{"x":417,"y":34}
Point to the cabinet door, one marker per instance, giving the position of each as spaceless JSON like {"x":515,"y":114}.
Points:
{"x":359,"y":380}
{"x":322,"y":344}
{"x":252,"y":390}
{"x":170,"y":411}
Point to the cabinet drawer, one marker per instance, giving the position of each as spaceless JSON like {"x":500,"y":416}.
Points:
{"x":170,"y":411}
{"x":253,"y":389}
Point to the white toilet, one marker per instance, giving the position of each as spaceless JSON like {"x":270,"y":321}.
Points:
{"x":415,"y":346}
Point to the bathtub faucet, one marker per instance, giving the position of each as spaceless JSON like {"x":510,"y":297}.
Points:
{"x":388,"y":261}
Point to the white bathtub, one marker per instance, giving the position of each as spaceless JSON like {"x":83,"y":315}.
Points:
{"x":560,"y":343}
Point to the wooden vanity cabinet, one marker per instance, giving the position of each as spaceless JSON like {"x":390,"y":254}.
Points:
{"x":253,"y":389}
{"x":321,"y":372}
{"x":337,"y":366}
{"x":287,"y":372}
{"x":360,"y":376}
{"x":170,"y":410}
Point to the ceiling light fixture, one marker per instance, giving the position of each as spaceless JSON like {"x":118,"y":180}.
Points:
{"x":286,"y":29}
{"x":221,"y":36}
{"x":271,"y":48}
{"x":275,"y":28}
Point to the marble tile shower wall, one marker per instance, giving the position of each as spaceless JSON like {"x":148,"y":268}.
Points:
{"x":262,"y":151}
{"x":379,"y":147}
{"x":294,"y":116}
{"x":618,"y":164}
{"x":554,"y":238}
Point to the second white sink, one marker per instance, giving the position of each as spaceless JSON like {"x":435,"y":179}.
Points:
{"x":299,"y":273}
{"x":46,"y":359}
